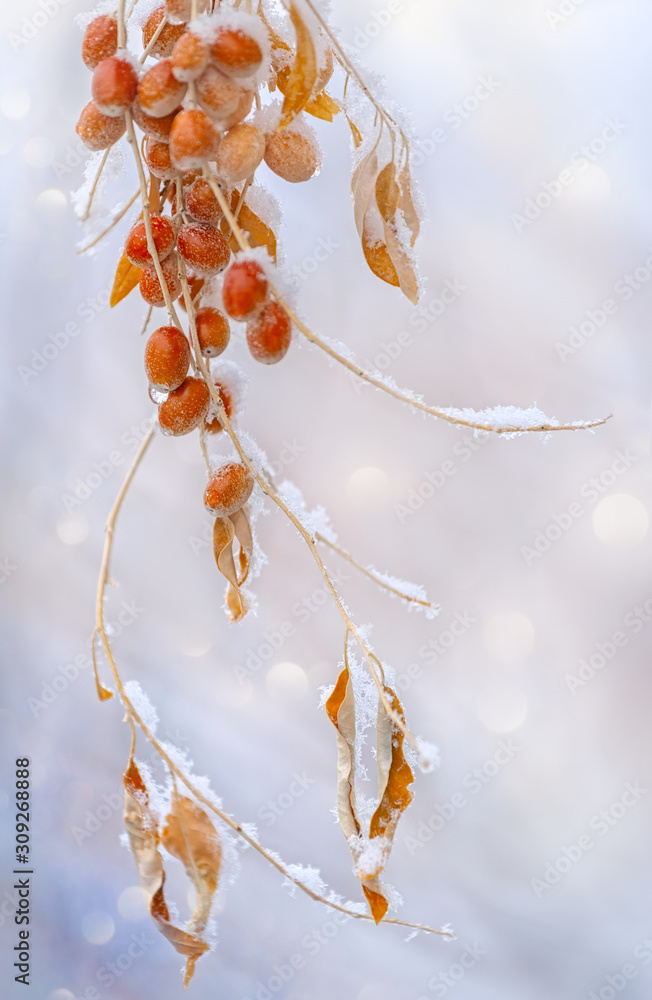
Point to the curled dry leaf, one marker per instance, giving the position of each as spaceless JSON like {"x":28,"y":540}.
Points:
{"x":127,"y":276}
{"x":225,"y":531}
{"x":393,"y":781}
{"x":190,"y":836}
{"x":142,"y":826}
{"x":259,"y":233}
{"x":323,"y":106}
{"x":297,"y":82}
{"x":378,"y":258}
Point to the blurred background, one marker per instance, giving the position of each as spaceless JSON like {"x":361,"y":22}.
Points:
{"x":532,"y":838}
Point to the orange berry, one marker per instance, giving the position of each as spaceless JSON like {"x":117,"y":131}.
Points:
{"x":193,"y":139}
{"x":150,"y":287}
{"x":217,"y":94}
{"x":159,"y":91}
{"x":213,"y":426}
{"x":167,"y":358}
{"x":244,"y":289}
{"x":203,"y":248}
{"x":235,"y":52}
{"x":240,"y":152}
{"x":228,"y":489}
{"x":292,"y":155}
{"x":99,"y":131}
{"x":245,"y":103}
{"x":100,"y":40}
{"x":114,"y":85}
{"x":157,"y":158}
{"x":167,"y":39}
{"x":185,"y":407}
{"x":157,"y":128}
{"x":195,"y":286}
{"x":179,"y":11}
{"x":136,"y":249}
{"x":189,"y":57}
{"x":202,"y":203}
{"x":269,"y":334}
{"x":213,"y":331}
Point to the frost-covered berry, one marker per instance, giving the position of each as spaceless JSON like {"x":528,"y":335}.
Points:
{"x":213,"y":331}
{"x":150,"y":287}
{"x":185,"y":407}
{"x":193,"y":139}
{"x":167,"y":39}
{"x":293,"y":154}
{"x":240,"y":152}
{"x":136,"y":243}
{"x":189,"y":57}
{"x":228,"y":489}
{"x":98,"y":131}
{"x":213,"y":426}
{"x":167,"y":358}
{"x":245,"y":103}
{"x":202,"y":203}
{"x":113,"y":86}
{"x":159,"y":91}
{"x":244,"y":289}
{"x":269,"y":334}
{"x":100,"y":40}
{"x":217,"y":93}
{"x":235,"y":52}
{"x":203,"y":248}
{"x":157,"y":128}
{"x":157,"y":158}
{"x":178,"y":11}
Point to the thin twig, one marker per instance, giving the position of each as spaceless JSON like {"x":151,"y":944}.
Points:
{"x":116,"y":219}
{"x":91,"y":193}
{"x":373,"y":575}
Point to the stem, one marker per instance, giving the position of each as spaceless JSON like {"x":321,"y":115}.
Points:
{"x":432,"y":411}
{"x":372,"y":575}
{"x":136,"y":719}
{"x":154,"y":39}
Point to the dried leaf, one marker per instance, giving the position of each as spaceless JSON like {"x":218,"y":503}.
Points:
{"x":323,"y":106}
{"x":190,"y":836}
{"x":143,"y":831}
{"x":240,"y":522}
{"x":355,"y":132}
{"x":407,"y":204}
{"x":378,"y":258}
{"x":223,"y":535}
{"x":298,"y":82}
{"x":362,"y":186}
{"x":387,"y":192}
{"x":394,"y":779}
{"x":340,"y":708}
{"x":127,"y":276}
{"x":377,"y":903}
{"x":260,"y":234}
{"x":407,"y":279}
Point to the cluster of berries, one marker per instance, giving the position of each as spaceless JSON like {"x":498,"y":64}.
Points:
{"x":191,"y":103}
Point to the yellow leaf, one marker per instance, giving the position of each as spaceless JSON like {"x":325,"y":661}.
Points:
{"x":298,"y":83}
{"x":127,"y":276}
{"x":224,"y":532}
{"x":377,"y":903}
{"x":323,"y":106}
{"x":387,"y":192}
{"x":355,"y":132}
{"x":260,"y":234}
{"x":378,"y":258}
